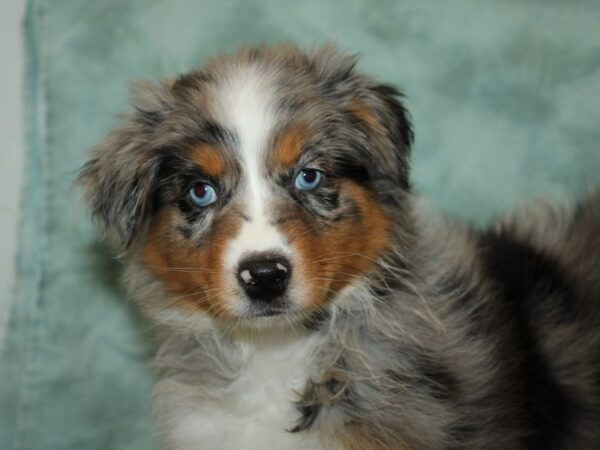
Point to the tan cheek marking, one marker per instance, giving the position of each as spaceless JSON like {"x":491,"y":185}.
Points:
{"x":290,"y":146}
{"x":195,"y":274}
{"x":332,"y":258}
{"x":209,"y":159}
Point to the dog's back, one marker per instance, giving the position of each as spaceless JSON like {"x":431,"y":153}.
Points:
{"x":544,"y":266}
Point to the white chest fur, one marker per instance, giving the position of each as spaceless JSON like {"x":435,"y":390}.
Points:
{"x":254,"y":410}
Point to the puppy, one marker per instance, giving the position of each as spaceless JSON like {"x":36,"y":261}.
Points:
{"x":263,"y":209}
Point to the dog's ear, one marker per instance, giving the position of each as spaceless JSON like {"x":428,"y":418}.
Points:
{"x":119,"y":180}
{"x":380,"y":110}
{"x":377,"y":108}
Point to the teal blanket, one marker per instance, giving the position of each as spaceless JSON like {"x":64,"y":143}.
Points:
{"x":504,"y":96}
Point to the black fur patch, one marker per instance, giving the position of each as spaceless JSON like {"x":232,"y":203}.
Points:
{"x":353,"y":171}
{"x":309,"y":414}
{"x":525,"y":277}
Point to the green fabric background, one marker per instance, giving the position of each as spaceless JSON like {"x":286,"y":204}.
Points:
{"x":505,"y":99}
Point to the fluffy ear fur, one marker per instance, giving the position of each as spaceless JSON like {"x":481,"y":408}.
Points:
{"x":377,"y":107}
{"x":119,"y":179}
{"x":389,"y":123}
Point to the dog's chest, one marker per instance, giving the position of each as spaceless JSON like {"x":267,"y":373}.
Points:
{"x":255,"y":410}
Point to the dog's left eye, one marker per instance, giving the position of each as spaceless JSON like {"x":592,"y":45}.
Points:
{"x":308,"y":179}
{"x":202,"y":194}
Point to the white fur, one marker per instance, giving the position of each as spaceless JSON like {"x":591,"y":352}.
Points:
{"x":252,"y":412}
{"x":245,"y":106}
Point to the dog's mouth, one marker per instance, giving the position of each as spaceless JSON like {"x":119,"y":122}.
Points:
{"x":275,"y":308}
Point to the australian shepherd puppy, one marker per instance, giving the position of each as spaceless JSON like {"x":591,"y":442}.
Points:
{"x":263,"y":208}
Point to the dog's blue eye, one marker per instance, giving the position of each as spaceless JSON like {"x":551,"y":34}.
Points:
{"x":308,"y":179}
{"x":203,"y":194}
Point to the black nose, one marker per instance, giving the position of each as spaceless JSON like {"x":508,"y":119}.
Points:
{"x":264,"y":278}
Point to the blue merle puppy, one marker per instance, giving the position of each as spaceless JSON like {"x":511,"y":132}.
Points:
{"x":263,"y":209}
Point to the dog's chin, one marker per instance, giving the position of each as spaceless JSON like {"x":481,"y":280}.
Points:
{"x":266,"y":313}
{"x":258,"y":315}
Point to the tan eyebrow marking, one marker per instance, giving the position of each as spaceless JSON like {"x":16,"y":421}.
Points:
{"x":290,"y":145}
{"x":209,"y":159}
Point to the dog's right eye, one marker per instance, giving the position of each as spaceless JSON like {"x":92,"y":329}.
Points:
{"x":202,"y":194}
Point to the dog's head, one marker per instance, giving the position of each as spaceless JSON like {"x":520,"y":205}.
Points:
{"x":259,"y":186}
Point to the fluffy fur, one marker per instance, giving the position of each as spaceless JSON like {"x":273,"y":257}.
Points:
{"x":398,"y":329}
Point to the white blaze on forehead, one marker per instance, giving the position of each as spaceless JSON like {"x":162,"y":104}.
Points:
{"x":245,"y":105}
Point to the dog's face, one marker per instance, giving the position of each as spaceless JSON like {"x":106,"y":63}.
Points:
{"x":259,"y":186}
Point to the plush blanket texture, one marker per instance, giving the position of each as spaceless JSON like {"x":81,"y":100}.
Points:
{"x":505,"y":101}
